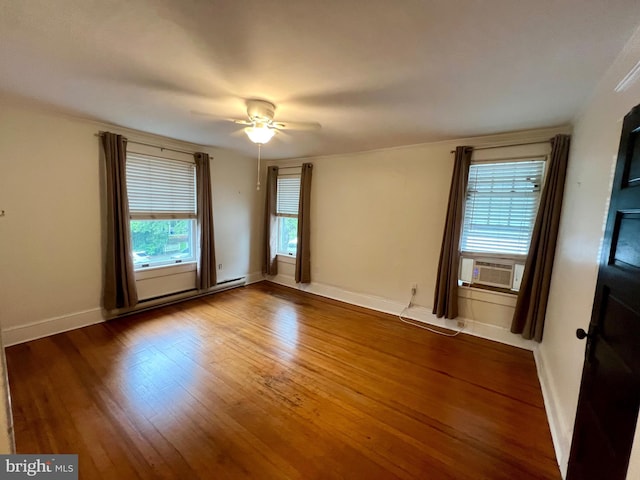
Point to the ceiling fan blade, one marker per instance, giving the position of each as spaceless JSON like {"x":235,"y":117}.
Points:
{"x":242,"y":122}
{"x":296,"y":125}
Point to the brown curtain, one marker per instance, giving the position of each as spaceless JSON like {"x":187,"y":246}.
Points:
{"x":531,"y":306}
{"x":206,"y":276}
{"x":445,"y":300}
{"x":303,"y":254}
{"x":270,"y":264}
{"x":119,"y":281}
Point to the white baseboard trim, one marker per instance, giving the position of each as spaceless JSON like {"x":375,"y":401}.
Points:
{"x":420,"y":314}
{"x":254,"y":277}
{"x":63,"y":323}
{"x":51,"y":326}
{"x":561,"y":438}
{"x":472,"y":327}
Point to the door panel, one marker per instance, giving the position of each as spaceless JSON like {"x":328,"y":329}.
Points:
{"x":632,"y":171}
{"x":627,"y":247}
{"x":610,"y":389}
{"x":620,"y":323}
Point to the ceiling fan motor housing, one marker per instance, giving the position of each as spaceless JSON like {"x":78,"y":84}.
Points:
{"x":260,"y":110}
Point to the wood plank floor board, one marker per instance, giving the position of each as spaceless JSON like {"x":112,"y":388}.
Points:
{"x":445,"y":388}
{"x":267,"y":382}
{"x":121,"y":439}
{"x":365,"y":408}
{"x":277,"y":387}
{"x":264,"y":387}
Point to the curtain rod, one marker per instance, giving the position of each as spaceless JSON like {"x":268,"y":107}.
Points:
{"x":288,"y":166}
{"x":100,"y":134}
{"x":505,"y":146}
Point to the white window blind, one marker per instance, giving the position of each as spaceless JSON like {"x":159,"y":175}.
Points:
{"x":160,"y":188}
{"x":288,"y":195}
{"x":501,"y":205}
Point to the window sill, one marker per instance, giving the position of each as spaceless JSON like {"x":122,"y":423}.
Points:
{"x":286,"y":258}
{"x":165,"y":270}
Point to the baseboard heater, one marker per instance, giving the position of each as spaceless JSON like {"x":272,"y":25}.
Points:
{"x":173,"y":298}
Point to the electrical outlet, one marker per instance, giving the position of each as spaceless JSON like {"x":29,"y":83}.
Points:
{"x":414,"y":288}
{"x":219,"y":266}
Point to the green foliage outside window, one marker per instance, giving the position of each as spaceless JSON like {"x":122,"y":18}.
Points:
{"x":288,"y":235}
{"x":160,"y":237}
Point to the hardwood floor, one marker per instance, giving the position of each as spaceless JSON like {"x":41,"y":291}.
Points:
{"x":265,"y":382}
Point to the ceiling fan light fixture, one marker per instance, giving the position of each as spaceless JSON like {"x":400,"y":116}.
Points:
{"x":260,"y":134}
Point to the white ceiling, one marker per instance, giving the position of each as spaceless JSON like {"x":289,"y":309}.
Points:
{"x":374,"y":73}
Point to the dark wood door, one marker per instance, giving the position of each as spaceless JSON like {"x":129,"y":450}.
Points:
{"x":610,"y":390}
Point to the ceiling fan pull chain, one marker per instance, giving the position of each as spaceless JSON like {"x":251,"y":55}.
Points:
{"x":258,"y":184}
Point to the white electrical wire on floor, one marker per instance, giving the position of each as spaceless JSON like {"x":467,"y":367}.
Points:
{"x":424,"y":327}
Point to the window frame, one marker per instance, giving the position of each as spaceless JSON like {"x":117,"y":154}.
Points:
{"x":517,"y":258}
{"x":170,"y":262}
{"x":151,"y":215}
{"x":281,"y":216}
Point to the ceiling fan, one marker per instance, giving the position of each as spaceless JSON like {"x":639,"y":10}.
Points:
{"x":260,"y":126}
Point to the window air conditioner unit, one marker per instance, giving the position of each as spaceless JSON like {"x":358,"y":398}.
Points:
{"x":493,"y":272}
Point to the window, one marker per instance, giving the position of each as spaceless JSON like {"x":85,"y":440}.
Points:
{"x":288,"y":195}
{"x":162,"y":209}
{"x":501,"y":205}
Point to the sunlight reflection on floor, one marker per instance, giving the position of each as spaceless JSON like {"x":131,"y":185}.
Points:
{"x":285,"y":325}
{"x":156,"y":374}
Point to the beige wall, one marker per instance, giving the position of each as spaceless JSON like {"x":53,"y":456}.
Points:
{"x":588,"y":186}
{"x":378,"y":217}
{"x":50,"y":236}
